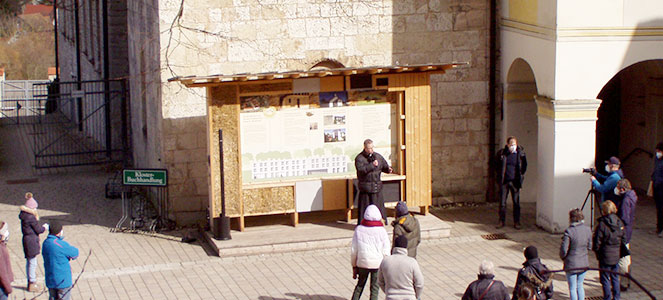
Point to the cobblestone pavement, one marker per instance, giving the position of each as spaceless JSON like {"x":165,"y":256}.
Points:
{"x":141,"y":266}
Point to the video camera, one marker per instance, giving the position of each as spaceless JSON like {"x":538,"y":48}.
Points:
{"x":589,"y":170}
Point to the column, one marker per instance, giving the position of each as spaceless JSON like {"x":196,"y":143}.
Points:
{"x":567,"y":139}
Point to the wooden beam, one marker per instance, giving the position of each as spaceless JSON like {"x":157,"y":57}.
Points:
{"x":294,"y":219}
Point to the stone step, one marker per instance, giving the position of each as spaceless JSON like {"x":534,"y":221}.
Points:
{"x":305,"y":237}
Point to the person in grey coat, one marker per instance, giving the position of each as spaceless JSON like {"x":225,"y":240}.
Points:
{"x":399,"y":275}
{"x":576,"y":243}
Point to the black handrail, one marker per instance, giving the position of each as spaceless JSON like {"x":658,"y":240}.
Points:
{"x":627,"y":275}
{"x":638,"y":149}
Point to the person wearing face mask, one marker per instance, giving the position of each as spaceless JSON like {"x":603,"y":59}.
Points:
{"x":606,"y":184}
{"x":656,"y":188}
{"x":6,"y":273}
{"x":513,"y":167}
{"x":57,"y":253}
{"x":626,"y":201}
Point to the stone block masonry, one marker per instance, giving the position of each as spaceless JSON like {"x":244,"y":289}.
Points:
{"x":196,"y":37}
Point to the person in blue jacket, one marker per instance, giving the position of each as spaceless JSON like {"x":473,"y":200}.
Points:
{"x":606,"y":184}
{"x":57,"y":253}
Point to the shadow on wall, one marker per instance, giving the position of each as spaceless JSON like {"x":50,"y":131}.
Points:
{"x":630,"y":119}
{"x":443,"y":32}
{"x":185,"y":157}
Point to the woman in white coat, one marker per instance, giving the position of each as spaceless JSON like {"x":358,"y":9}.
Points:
{"x":370,"y":244}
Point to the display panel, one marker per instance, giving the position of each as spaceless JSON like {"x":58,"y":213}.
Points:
{"x":314,"y":135}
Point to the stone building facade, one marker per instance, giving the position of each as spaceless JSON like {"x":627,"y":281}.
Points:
{"x":90,"y":38}
{"x":171,"y":38}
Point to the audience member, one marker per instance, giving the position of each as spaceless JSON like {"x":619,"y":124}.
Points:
{"x":535,"y":273}
{"x":407,"y":225}
{"x":370,"y":244}
{"x":486,"y":287}
{"x":399,"y":275}
{"x":607,"y":241}
{"x":576,"y":243}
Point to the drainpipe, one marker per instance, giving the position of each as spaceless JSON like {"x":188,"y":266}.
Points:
{"x":492,"y":94}
{"x":55,"y":20}
{"x":79,"y":101}
{"x":107,"y":116}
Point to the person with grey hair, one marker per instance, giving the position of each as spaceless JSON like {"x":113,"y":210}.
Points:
{"x":576,"y":243}
{"x":370,"y":165}
{"x":486,"y":287}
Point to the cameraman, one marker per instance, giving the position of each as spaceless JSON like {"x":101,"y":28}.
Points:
{"x":607,"y":183}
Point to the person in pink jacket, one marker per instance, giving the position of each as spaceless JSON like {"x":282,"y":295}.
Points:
{"x":370,"y":244}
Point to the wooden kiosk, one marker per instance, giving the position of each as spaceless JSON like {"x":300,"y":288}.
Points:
{"x":289,"y":139}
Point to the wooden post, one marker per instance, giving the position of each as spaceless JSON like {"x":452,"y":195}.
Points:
{"x":424,"y":209}
{"x":294,"y":218}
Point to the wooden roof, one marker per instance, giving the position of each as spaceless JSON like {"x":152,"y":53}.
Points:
{"x":197,"y":81}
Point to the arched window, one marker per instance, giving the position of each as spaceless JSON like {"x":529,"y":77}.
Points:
{"x":327,"y":63}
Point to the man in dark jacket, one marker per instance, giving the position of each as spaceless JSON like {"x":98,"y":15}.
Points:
{"x":407,"y":225}
{"x":535,"y":273}
{"x":627,"y":199}
{"x":31,"y":230}
{"x":370,"y":165}
{"x":607,"y":241}
{"x":656,"y":188}
{"x":513,"y":165}
{"x":486,"y":287}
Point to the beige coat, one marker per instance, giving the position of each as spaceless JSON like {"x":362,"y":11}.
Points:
{"x":400,"y":277}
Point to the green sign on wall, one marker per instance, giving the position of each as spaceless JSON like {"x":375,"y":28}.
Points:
{"x":146,"y":177}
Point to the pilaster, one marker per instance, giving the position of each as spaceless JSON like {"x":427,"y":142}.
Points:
{"x":567,"y":139}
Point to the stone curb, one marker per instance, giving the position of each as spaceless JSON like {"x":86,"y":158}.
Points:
{"x":432,"y":234}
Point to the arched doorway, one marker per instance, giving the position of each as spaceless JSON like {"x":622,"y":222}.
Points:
{"x":520,"y":120}
{"x":630,"y":119}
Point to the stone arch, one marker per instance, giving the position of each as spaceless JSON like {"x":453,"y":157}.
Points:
{"x":327,"y":63}
{"x":630,"y":119}
{"x":520,"y":119}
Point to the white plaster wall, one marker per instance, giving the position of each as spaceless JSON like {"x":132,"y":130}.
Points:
{"x":546,"y":162}
{"x":589,"y":13}
{"x":584,"y":67}
{"x":602,"y":13}
{"x":574,"y":149}
{"x":641,"y":12}
{"x":537,"y":52}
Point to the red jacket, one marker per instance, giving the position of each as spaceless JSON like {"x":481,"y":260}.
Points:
{"x":6,"y":274}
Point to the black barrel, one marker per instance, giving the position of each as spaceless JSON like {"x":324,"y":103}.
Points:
{"x":221,"y":228}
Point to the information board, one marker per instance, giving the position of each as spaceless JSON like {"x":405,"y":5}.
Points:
{"x":301,"y":136}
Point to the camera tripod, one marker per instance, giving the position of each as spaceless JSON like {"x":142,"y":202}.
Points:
{"x":591,"y":196}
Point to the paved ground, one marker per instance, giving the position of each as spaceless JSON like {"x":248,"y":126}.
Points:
{"x":139,"y":266}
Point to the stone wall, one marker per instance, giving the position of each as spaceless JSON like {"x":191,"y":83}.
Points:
{"x":90,"y":21}
{"x":444,"y":31}
{"x":244,"y":36}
